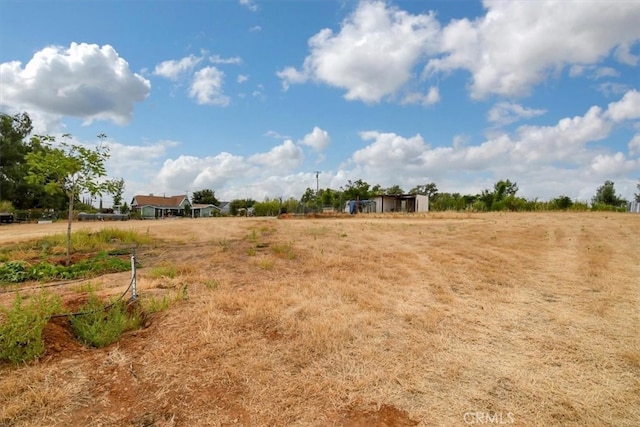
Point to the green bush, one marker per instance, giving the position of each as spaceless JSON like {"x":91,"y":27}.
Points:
{"x":99,"y":326}
{"x":21,"y":331}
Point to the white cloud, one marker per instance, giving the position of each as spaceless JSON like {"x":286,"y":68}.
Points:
{"x":173,"y":69}
{"x":284,"y":157}
{"x":290,"y":76}
{"x":429,"y":98}
{"x":389,"y":151}
{"x":610,"y":89}
{"x":634,"y":145}
{"x":627,"y":108}
{"x":206,"y":87}
{"x":318,"y":139}
{"x":607,"y":166}
{"x":601,"y":72}
{"x":257,"y":28}
{"x":249,"y":4}
{"x":86,"y":80}
{"x":217,"y":59}
{"x":242,"y":78}
{"x":504,"y":113}
{"x":276,"y":135}
{"x":372,"y":56}
{"x":624,"y":55}
{"x":194,"y":173}
{"x":550,"y":35}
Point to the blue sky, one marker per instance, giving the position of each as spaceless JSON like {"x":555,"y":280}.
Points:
{"x":249,"y":98}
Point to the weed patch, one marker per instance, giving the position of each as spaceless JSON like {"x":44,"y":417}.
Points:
{"x":284,"y":250}
{"x":21,"y":331}
{"x":100,"y":326}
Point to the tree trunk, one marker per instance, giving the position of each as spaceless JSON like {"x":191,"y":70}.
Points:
{"x":70,"y":218}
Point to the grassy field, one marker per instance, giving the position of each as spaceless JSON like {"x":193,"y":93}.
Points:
{"x":442,"y":319}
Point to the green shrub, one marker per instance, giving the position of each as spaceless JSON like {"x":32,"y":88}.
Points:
{"x":21,"y":331}
{"x":99,"y":326}
{"x":13,"y":272}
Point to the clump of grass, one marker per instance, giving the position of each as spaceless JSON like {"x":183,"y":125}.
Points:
{"x":253,"y":236}
{"x":224,"y":245}
{"x":156,"y":304}
{"x":212,"y":284}
{"x":265,"y":263}
{"x":252,"y":251}
{"x":98,"y":326}
{"x":284,"y":250}
{"x":21,"y":331}
{"x":86,"y":288}
{"x":168,"y":271}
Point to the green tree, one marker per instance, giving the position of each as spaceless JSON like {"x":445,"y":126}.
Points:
{"x":269,"y":207}
{"x":70,"y":169}
{"x":606,"y":195}
{"x":358,"y":190}
{"x":394,"y":190}
{"x":118,"y":191}
{"x":308,"y":197}
{"x":14,"y":147}
{"x":205,"y":197}
{"x":638,"y":193}
{"x":13,"y":131}
{"x":236,"y":205}
{"x":562,"y":202}
{"x":430,"y":189}
{"x":502,"y":196}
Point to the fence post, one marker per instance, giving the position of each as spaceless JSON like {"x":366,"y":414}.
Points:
{"x":134,"y":290}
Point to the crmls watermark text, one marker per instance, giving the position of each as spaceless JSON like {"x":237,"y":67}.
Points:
{"x":477,"y":417}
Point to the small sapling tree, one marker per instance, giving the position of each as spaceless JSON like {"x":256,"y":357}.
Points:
{"x":71,"y":169}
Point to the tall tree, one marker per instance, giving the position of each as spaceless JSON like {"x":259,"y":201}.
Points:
{"x":638,"y":193}
{"x":70,"y":169}
{"x":504,"y":188}
{"x":118,"y":191}
{"x":606,"y":194}
{"x":205,"y":196}
{"x":13,"y":148}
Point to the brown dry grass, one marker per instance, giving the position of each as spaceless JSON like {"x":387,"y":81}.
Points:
{"x":394,"y":320}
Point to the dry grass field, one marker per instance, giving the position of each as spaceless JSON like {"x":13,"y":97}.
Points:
{"x":441,"y":319}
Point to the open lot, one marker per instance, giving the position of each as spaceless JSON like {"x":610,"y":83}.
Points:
{"x":441,"y":319}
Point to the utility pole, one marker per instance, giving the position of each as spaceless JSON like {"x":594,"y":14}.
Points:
{"x":317,"y":181}
{"x":318,"y":203}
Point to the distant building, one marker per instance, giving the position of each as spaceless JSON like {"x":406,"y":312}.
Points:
{"x":402,"y":203}
{"x":151,"y":206}
{"x":199,"y":210}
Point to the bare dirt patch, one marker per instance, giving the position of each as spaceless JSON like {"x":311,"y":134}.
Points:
{"x":376,"y":321}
